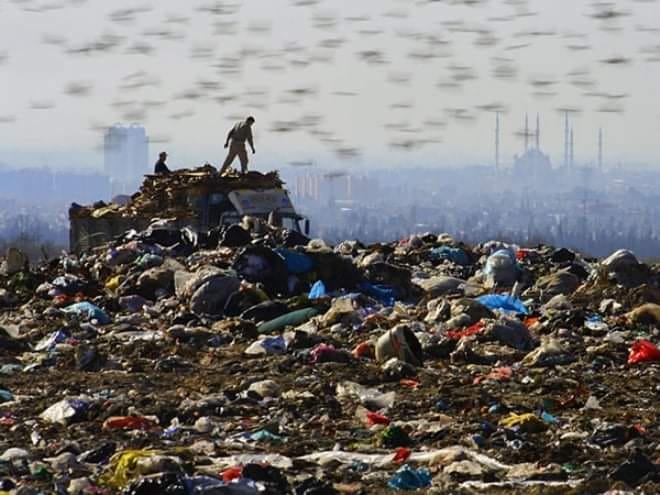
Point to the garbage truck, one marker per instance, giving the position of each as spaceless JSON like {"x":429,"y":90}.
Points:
{"x":199,"y":199}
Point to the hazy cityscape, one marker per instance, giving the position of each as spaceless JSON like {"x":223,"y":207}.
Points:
{"x":596,"y":207}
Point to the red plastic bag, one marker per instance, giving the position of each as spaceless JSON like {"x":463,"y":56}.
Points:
{"x":459,"y":334}
{"x":374,"y":418}
{"x":642,"y":351}
{"x":521,"y":254}
{"x":401,"y":455}
{"x":232,"y":473}
{"x":128,"y":423}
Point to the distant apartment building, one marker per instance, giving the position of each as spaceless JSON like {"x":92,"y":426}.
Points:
{"x":126,"y":157}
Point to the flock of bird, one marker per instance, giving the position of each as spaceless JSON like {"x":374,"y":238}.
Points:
{"x":360,"y":37}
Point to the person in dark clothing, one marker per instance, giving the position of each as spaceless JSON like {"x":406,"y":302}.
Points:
{"x":160,"y":168}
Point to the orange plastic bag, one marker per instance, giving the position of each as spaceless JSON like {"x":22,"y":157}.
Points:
{"x":364,"y":349}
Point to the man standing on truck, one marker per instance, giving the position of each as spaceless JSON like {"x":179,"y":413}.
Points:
{"x":160,"y":168}
{"x":238,"y":134}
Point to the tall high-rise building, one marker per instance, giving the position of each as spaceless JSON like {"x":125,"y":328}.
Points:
{"x":125,"y":157}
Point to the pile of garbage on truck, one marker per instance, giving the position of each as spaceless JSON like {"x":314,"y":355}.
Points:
{"x":170,"y":194}
{"x":259,"y":361}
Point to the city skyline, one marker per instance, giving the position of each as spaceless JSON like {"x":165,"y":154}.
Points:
{"x":594,"y":152}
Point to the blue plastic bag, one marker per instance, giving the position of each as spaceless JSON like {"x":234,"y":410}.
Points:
{"x":549,"y":418}
{"x":274,"y":345}
{"x":318,"y":290}
{"x":5,"y":395}
{"x":382,"y":293}
{"x":407,"y":478}
{"x":503,"y":302}
{"x":89,"y":311}
{"x":296,"y":263}
{"x":264,"y":436}
{"x":455,"y":255}
{"x":49,"y":343}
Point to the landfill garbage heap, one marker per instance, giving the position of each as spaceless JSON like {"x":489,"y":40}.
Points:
{"x":258,"y":361}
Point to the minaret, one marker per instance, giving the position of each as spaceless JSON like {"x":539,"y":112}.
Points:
{"x":497,"y":140}
{"x":526,"y":133}
{"x":572,"y":150}
{"x":538,"y":132}
{"x":566,"y":137}
{"x":600,"y":149}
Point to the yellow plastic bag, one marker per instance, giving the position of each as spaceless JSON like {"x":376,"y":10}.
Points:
{"x":113,"y":282}
{"x":527,"y":422}
{"x":123,"y":467}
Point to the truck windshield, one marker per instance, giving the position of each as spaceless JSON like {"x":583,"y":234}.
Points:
{"x":219,"y":204}
{"x":290,"y":223}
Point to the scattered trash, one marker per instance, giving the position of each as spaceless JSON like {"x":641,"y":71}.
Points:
{"x":249,"y":359}
{"x":401,"y":343}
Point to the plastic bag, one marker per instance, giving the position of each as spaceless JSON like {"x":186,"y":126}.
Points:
{"x":471,"y":330}
{"x":370,"y":397}
{"x":596,"y":323}
{"x":326,"y":353}
{"x":66,"y":411}
{"x":296,"y":263}
{"x":528,"y":422}
{"x":128,"y":423}
{"x":399,"y":342}
{"x":374,"y":418}
{"x":49,"y":342}
{"x":89,"y":311}
{"x":267,"y":345}
{"x":642,"y":351}
{"x":5,"y":396}
{"x":318,"y":290}
{"x":504,"y":303}
{"x":384,"y":294}
{"x":455,"y":255}
{"x":502,"y":268}
{"x":124,"y":467}
{"x":408,"y":478}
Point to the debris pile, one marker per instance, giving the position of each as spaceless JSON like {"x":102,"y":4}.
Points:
{"x":171,"y":195}
{"x":263,"y":362}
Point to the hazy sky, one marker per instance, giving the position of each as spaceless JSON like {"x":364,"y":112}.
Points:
{"x":402,"y":82}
